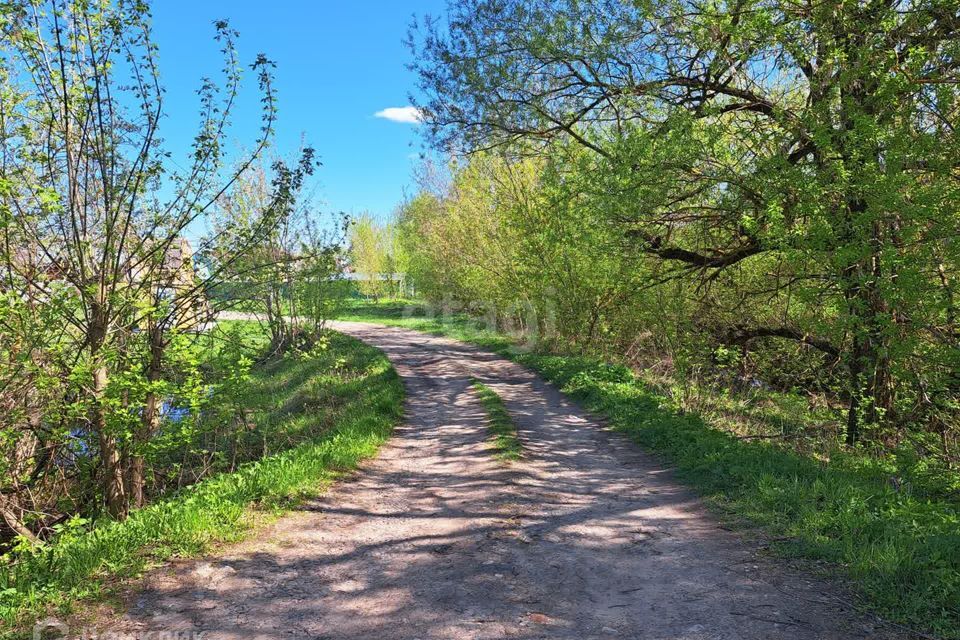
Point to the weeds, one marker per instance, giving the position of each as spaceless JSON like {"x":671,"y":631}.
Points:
{"x":501,"y":425}
{"x":892,"y":531}
{"x":351,"y":390}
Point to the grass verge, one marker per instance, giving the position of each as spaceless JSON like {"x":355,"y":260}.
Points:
{"x":898,"y":542}
{"x":351,"y":387}
{"x":501,"y":426}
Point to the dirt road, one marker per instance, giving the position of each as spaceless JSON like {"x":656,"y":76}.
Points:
{"x":585,"y":538}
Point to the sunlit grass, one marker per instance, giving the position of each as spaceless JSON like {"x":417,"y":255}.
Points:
{"x":346,"y":400}
{"x":898,"y":542}
{"x":506,"y":445}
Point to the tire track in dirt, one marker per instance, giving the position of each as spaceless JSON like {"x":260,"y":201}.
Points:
{"x":586,"y":537}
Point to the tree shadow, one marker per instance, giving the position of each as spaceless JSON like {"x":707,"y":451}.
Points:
{"x":584,"y":538}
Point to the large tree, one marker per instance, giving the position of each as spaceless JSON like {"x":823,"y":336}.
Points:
{"x":800,"y":151}
{"x":93,"y":219}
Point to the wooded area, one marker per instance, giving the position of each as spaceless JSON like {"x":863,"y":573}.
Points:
{"x":730,"y":229}
{"x":108,"y":356}
{"x":747,"y":194}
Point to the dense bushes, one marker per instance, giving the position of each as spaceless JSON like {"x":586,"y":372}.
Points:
{"x":354,"y":399}
{"x":527,"y":247}
{"x":748,"y":193}
{"x":115,"y":258}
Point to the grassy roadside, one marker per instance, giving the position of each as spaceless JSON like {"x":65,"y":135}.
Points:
{"x":349,"y":395}
{"x":898,"y":542}
{"x":501,"y":426}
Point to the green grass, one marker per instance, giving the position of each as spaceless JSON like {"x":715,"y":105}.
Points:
{"x":347,"y":399}
{"x":502,"y":428}
{"x":417,"y":316}
{"x":898,"y":543}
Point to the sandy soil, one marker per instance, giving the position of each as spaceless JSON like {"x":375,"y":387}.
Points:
{"x":587,"y":537}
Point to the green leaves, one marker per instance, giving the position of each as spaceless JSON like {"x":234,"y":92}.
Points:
{"x":794,"y":168}
{"x":353,"y":412}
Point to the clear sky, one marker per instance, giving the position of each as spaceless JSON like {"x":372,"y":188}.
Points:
{"x":338,"y":63}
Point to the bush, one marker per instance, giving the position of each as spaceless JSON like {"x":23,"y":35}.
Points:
{"x":75,"y":565}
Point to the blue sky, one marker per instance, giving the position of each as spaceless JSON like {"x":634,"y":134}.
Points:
{"x":338,"y":63}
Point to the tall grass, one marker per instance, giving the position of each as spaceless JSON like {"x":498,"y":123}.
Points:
{"x":899,"y":545}
{"x":896,"y":536}
{"x":355,"y":385}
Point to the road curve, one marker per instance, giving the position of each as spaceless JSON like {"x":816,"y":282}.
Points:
{"x":586,"y":537}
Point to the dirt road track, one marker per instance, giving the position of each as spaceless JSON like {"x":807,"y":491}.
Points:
{"x":585,"y":538}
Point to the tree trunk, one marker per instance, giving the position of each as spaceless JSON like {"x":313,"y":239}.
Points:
{"x":150,"y":421}
{"x":114,"y":493}
{"x":870,"y":378}
{"x":855,"y":388}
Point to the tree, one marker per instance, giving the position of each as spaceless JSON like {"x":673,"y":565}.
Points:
{"x":371,"y":257}
{"x":803,"y":154}
{"x":293,"y":265}
{"x":87,"y":236}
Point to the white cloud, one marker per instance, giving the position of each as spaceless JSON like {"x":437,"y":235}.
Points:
{"x":410,"y":115}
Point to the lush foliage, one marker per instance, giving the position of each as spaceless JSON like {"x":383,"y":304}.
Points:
{"x":304,"y":420}
{"x":750,"y":192}
{"x":99,"y":292}
{"x":132,"y":426}
{"x":105,"y":305}
{"x":377,"y":258}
